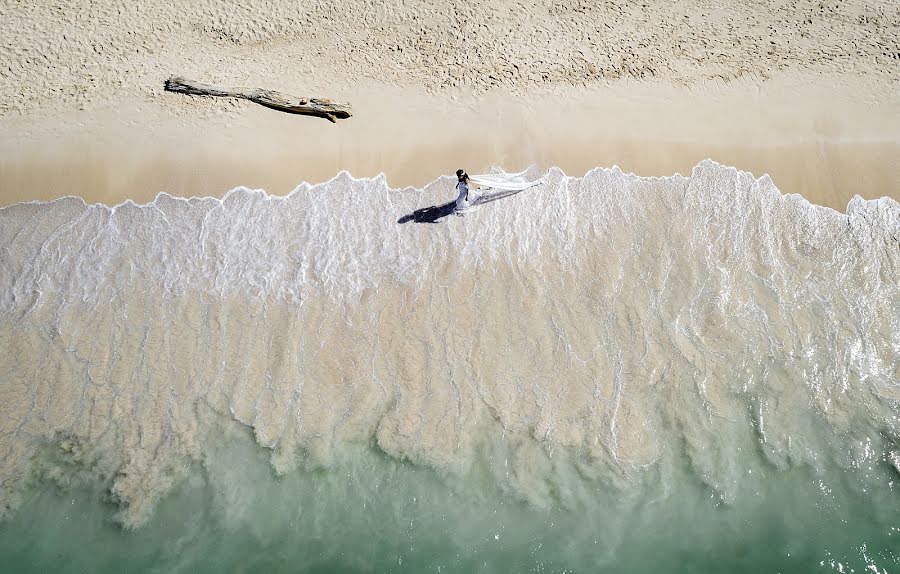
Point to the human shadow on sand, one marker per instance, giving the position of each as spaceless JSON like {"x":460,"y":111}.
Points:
{"x":434,"y":213}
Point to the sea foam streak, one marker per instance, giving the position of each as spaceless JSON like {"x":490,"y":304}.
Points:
{"x":613,"y":326}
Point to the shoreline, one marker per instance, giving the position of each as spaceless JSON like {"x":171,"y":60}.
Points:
{"x":814,"y":140}
{"x":804,"y":92}
{"x":854,"y":169}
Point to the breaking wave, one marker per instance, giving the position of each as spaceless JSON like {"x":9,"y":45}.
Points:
{"x":609,"y":337}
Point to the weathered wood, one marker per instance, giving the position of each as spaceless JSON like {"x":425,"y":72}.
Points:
{"x":322,"y":108}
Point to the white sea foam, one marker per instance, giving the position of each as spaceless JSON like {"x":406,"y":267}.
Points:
{"x":610,"y":324}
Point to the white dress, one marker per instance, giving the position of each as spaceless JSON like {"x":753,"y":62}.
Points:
{"x":461,"y":202}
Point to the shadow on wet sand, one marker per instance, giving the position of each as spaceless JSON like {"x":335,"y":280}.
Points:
{"x":434,"y":213}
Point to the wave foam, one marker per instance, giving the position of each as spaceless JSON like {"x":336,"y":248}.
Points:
{"x":609,"y":323}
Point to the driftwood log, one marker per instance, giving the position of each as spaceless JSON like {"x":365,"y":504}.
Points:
{"x":322,"y":108}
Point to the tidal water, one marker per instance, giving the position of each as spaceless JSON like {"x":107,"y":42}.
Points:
{"x":601,"y":373}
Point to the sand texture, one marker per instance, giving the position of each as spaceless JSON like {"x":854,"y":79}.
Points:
{"x":654,"y":87}
{"x":71,"y":54}
{"x":606,"y":372}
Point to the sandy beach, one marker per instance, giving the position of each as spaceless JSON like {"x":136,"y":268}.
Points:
{"x":661,"y":336}
{"x":805,"y":92}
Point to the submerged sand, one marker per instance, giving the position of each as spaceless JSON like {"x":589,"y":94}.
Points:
{"x":576,"y":372}
{"x":622,"y":320}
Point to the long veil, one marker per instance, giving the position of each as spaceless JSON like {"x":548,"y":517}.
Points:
{"x":505,"y":181}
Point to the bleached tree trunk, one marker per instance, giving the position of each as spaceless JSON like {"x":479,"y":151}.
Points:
{"x":322,"y":108}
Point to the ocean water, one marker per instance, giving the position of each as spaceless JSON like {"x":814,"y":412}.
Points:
{"x":605,"y":373}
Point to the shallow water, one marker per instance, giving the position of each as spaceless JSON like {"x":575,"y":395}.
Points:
{"x":373,"y":513}
{"x":603,"y":373}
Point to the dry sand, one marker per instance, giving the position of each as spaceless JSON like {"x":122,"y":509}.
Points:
{"x":763,"y":293}
{"x":804,"y":91}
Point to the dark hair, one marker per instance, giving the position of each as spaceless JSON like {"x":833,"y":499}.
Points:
{"x":461,"y":174}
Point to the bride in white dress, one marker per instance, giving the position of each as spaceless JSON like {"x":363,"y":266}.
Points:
{"x":462,"y":201}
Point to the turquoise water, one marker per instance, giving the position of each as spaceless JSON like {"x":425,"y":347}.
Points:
{"x":371,"y":513}
{"x":598,"y":374}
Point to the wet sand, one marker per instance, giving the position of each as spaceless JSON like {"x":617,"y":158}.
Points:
{"x":803,"y":90}
{"x":824,"y":173}
{"x":695,"y":355}
{"x":825,"y":144}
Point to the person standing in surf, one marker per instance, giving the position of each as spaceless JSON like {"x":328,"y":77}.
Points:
{"x":462,"y":201}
